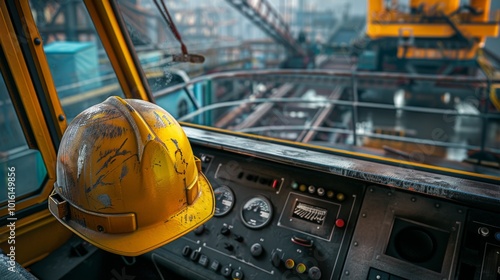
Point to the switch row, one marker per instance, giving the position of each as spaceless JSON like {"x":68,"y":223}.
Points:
{"x":320,"y":191}
{"x":201,"y":259}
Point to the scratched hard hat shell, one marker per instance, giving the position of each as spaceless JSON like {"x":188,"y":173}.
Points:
{"x":128,"y":174}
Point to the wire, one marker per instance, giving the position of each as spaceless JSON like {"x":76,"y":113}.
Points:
{"x":168,"y":19}
{"x":156,"y":265}
{"x":185,"y":56}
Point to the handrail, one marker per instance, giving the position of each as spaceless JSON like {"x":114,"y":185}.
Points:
{"x":354,"y":80}
{"x":277,"y":74}
{"x":227,"y":104}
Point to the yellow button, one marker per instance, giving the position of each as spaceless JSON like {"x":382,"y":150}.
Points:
{"x":302,"y":188}
{"x":340,"y":197}
{"x":301,"y":268}
{"x":330,"y":194}
{"x":289,"y":263}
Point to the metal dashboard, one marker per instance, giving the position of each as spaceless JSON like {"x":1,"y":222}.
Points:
{"x":284,"y":212}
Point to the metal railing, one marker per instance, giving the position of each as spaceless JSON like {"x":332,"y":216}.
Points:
{"x":472,"y":90}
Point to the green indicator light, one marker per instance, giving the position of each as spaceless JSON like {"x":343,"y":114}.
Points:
{"x":301,"y":268}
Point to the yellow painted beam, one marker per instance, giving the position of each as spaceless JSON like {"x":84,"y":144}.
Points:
{"x":483,"y":6}
{"x":429,"y":54}
{"x":446,"y":7}
{"x":35,"y":44}
{"x":30,"y":103}
{"x":37,"y":234}
{"x":381,"y":30}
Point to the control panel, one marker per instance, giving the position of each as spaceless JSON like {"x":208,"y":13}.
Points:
{"x":271,"y":221}
{"x":480,"y":254}
{"x":401,"y":235}
{"x":277,"y":220}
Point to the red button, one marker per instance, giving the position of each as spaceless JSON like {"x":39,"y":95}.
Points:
{"x":275,"y":183}
{"x":340,"y":223}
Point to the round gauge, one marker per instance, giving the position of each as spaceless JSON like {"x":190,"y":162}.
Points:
{"x":224,"y":200}
{"x":256,"y":212}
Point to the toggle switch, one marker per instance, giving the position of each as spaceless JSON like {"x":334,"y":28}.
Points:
{"x":225,"y":231}
{"x":238,"y":238}
{"x":228,"y":247}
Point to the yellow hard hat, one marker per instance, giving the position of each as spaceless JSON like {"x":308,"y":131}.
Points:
{"x":127,"y":179}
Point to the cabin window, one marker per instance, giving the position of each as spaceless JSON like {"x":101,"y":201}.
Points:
{"x":80,"y":67}
{"x":22,"y":169}
{"x":155,"y":45}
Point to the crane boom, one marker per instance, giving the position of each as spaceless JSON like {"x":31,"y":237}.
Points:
{"x":261,"y":13}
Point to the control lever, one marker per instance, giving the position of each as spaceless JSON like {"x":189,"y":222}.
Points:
{"x":302,"y":241}
{"x":275,"y":259}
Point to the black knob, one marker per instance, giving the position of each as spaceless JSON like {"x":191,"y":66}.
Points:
{"x":275,"y":259}
{"x":256,"y":249}
{"x":199,"y":230}
{"x":186,"y":251}
{"x":226,"y":271}
{"x":314,"y":273}
{"x":228,"y":246}
{"x":225,"y":230}
{"x":238,"y":238}
{"x":237,"y":275}
{"x":194,"y":255}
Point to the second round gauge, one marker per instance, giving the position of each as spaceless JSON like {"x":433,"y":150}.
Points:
{"x":224,"y":200}
{"x":256,"y":212}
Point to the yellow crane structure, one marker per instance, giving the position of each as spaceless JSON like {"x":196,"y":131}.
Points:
{"x":427,"y":36}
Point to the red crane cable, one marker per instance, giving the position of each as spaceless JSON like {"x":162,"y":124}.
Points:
{"x":185,"y":57}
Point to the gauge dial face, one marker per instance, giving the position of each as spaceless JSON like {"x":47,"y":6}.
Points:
{"x":224,"y":200}
{"x":256,"y":212}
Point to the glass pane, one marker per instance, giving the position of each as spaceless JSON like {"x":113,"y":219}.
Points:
{"x":80,"y":67}
{"x":310,"y":73}
{"x":22,"y":170}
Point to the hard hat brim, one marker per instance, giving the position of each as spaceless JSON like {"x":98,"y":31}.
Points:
{"x":149,"y":238}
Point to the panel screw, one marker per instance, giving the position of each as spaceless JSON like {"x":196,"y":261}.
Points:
{"x":37,"y":41}
{"x":61,"y":118}
{"x":100,"y":228}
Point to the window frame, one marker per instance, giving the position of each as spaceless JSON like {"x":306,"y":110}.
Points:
{"x":27,"y":105}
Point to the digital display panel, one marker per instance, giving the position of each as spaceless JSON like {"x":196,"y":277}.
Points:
{"x":309,"y":213}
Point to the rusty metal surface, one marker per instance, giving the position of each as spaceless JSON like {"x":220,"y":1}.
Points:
{"x":483,"y":193}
